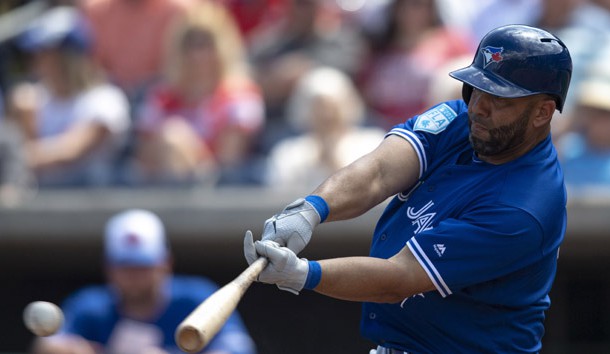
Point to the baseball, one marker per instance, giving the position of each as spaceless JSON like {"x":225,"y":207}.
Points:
{"x":43,"y":318}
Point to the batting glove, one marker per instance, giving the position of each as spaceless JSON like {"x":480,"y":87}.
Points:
{"x":285,"y":269}
{"x":293,"y":226}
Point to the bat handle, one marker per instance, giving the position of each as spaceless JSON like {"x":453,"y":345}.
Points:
{"x":250,"y":274}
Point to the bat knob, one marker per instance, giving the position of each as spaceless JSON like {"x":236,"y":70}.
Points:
{"x":189,"y":339}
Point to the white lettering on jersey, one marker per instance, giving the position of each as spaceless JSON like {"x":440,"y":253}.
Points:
{"x":423,"y":221}
{"x":402,"y":304}
{"x":440,"y":249}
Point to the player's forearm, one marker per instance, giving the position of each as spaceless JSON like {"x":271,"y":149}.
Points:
{"x":374,"y":279}
{"x":365,"y":279}
{"x":65,"y":148}
{"x":353,"y":190}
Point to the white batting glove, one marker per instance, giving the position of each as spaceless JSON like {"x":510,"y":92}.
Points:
{"x":293,"y":226}
{"x":285,"y":269}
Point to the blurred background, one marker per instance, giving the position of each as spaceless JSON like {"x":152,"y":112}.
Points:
{"x":216,"y":113}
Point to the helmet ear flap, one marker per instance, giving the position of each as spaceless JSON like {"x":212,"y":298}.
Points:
{"x":466,"y":92}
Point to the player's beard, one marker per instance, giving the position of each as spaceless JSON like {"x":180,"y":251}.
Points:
{"x":501,"y":139}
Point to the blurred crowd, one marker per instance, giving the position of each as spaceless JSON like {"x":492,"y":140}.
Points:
{"x":130,"y":93}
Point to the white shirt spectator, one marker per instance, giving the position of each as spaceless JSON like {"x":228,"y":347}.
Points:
{"x":295,"y":162}
{"x":102,"y":104}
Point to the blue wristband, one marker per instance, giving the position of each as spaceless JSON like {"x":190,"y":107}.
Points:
{"x":314,"y":275}
{"x":320,"y":205}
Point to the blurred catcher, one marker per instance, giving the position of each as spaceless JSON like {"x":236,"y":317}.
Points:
{"x":142,"y":304}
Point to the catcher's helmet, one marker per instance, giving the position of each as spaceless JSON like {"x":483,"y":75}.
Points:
{"x":517,"y":61}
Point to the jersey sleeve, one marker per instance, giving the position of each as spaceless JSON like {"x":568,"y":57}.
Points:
{"x":486,"y":244}
{"x":425,"y":132}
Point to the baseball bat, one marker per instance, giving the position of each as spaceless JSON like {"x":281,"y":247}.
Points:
{"x":202,"y":324}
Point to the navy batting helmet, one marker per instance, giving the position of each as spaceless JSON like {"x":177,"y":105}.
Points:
{"x":518,"y":61}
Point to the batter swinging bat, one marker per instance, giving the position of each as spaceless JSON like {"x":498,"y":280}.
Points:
{"x":198,"y":328}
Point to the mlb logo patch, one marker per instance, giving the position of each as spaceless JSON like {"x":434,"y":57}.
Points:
{"x":435,"y":120}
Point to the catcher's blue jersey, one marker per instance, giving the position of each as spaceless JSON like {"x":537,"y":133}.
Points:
{"x":94,"y":313}
{"x":487,"y":235}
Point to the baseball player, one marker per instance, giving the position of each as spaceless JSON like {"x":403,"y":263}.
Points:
{"x":143,"y":302}
{"x":464,"y":255}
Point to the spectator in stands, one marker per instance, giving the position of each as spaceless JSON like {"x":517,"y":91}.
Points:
{"x":16,"y":181}
{"x":253,"y":16}
{"x":557,"y":14}
{"x":201,"y":119}
{"x":585,"y":151}
{"x":481,"y":16}
{"x":74,"y":122}
{"x":443,"y":87}
{"x":312,"y":32}
{"x":585,"y":29}
{"x":404,"y":57}
{"x":327,"y":111}
{"x":140,"y":307}
{"x":129,"y":39}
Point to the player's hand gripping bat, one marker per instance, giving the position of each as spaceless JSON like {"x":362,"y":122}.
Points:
{"x":198,"y":328}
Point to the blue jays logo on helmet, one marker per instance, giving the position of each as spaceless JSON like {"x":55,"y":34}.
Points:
{"x":492,"y":54}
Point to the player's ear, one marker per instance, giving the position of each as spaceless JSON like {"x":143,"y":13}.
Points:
{"x":544,"y":110}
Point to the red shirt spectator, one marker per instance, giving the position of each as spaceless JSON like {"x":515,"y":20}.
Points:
{"x":129,"y":37}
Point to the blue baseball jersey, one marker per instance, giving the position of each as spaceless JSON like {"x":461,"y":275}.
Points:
{"x":93,"y":313}
{"x":487,"y":235}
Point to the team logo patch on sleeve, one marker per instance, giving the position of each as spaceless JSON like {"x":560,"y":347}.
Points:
{"x":435,"y":120}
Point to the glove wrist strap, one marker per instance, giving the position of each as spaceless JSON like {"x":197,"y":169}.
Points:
{"x":313,"y":276}
{"x":320,"y":205}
